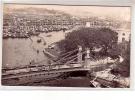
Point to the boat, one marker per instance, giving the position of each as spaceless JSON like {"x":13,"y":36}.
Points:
{"x":39,"y":41}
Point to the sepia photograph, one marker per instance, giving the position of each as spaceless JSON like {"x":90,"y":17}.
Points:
{"x":66,"y":46}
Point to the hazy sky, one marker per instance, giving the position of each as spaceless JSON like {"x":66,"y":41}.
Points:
{"x":117,"y":12}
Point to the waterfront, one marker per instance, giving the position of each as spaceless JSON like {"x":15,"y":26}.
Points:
{"x":20,"y":51}
{"x":40,"y":47}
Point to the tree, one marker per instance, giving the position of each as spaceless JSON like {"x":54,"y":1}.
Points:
{"x":92,"y":38}
{"x":123,"y":68}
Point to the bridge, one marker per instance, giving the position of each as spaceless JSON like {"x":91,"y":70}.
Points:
{"x":68,"y":62}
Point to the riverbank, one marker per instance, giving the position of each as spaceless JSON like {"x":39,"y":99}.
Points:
{"x":27,"y":35}
{"x":18,"y":52}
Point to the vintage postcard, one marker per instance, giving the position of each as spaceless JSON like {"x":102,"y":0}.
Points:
{"x":66,"y":46}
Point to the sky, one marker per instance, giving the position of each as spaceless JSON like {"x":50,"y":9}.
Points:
{"x":122,"y":13}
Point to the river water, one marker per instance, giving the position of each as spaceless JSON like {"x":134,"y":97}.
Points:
{"x":22,"y":51}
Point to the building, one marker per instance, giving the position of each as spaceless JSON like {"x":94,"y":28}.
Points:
{"x":88,"y":24}
{"x":123,"y":35}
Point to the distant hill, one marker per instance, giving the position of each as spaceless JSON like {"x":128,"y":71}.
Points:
{"x":32,"y":10}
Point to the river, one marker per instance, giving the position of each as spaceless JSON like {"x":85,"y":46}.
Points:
{"x":22,"y":51}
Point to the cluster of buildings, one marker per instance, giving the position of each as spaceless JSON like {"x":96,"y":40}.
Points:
{"x":23,"y":25}
{"x":17,"y":26}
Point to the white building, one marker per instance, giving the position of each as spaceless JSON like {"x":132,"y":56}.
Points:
{"x":123,"y":35}
{"x":88,"y":24}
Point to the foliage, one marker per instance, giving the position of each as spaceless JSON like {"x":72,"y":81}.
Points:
{"x":91,"y":38}
{"x":124,"y":68}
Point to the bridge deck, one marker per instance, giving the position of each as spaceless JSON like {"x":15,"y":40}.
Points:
{"x":19,"y":75}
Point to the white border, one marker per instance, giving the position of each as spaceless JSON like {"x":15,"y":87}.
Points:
{"x":76,"y":2}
